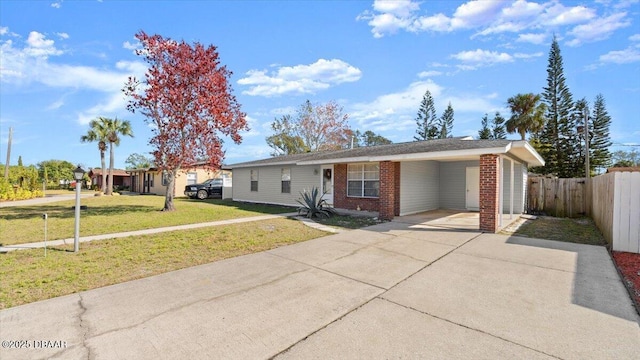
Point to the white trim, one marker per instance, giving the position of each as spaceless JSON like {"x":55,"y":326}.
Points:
{"x":501,"y":189}
{"x":511,"y":188}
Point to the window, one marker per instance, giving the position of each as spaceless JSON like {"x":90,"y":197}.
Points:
{"x":286,"y":181}
{"x":363,"y":180}
{"x":165,"y":178}
{"x":192,"y":178}
{"x":254,"y":180}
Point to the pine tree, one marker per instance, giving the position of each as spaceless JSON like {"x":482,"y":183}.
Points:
{"x":446,"y":123}
{"x":485,"y":132}
{"x":499,"y":131}
{"x":20,"y":160}
{"x":557,"y":142}
{"x":600,"y":157}
{"x":426,"y":119}
{"x":581,"y":107}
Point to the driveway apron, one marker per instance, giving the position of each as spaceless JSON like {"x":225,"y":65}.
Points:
{"x":388,"y":291}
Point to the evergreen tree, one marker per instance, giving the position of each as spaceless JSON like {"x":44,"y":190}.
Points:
{"x":600,"y":138}
{"x":580,"y":109}
{"x":446,"y":123}
{"x":426,"y":119}
{"x":499,"y":131}
{"x":485,"y":132}
{"x":20,"y":160}
{"x":557,"y":142}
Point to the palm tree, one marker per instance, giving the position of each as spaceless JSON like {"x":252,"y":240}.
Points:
{"x":98,"y":132}
{"x":527,"y":114}
{"x":115,"y":128}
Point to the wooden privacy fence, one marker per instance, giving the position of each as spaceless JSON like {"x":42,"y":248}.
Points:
{"x":557,"y":197}
{"x":616,"y":209}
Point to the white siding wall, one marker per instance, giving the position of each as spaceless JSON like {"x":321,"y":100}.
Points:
{"x":519,"y":182}
{"x":453,"y":184}
{"x":269,"y":184}
{"x":419,"y":186}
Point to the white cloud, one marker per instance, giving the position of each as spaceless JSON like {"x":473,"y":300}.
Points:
{"x":56,"y":5}
{"x":476,"y":13}
{"x":40,"y":46}
{"x":55,"y":105}
{"x":394,"y":110}
{"x":4,"y":30}
{"x":115,"y":103}
{"x":626,"y":56}
{"x":479,"y":57}
{"x":254,"y":127}
{"x":489,"y":17}
{"x":299,"y":79}
{"x":29,"y":64}
{"x":532,"y":38}
{"x":131,"y":46}
{"x":527,"y":56}
{"x":63,"y":35}
{"x":635,"y":37}
{"x":430,"y":73}
{"x":599,"y":29}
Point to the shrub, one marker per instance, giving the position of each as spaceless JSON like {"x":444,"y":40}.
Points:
{"x":313,"y":205}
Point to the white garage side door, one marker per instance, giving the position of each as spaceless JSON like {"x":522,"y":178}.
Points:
{"x":473,"y":188}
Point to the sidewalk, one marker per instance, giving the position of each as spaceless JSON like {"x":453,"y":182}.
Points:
{"x":60,"y":242}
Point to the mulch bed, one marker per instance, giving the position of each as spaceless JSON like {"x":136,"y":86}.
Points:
{"x":629,"y":266}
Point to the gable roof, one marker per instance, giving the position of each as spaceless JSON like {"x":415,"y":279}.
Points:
{"x":450,"y":149}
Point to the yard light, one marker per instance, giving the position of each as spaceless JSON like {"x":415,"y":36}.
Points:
{"x":78,"y":174}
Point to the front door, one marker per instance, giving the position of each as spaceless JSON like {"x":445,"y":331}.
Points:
{"x":473,"y":188}
{"x":327,"y":183}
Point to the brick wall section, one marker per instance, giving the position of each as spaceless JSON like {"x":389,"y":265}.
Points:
{"x":396,"y":208}
{"x":340,"y":199}
{"x":387,"y":190}
{"x":489,"y":192}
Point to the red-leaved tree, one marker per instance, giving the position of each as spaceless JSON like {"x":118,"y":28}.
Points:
{"x":187,"y":97}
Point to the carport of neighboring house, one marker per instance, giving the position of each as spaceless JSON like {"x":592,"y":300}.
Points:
{"x":480,"y":183}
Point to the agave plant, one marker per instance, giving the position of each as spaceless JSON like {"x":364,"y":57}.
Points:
{"x":312,"y":204}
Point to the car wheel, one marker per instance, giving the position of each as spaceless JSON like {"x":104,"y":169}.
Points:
{"x":202,"y":194}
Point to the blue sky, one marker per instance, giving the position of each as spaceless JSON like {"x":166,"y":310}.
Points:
{"x":63,"y":63}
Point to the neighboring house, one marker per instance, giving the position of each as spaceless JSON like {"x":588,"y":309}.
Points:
{"x":120,"y":178}
{"x":400,"y":179}
{"x":153,"y":181}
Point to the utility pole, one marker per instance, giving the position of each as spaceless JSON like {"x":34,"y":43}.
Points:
{"x":6,"y":165}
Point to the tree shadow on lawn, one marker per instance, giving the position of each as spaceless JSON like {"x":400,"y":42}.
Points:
{"x":247,"y":206}
{"x":63,"y":212}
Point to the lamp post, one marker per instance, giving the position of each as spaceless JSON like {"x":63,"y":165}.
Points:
{"x":78,"y":174}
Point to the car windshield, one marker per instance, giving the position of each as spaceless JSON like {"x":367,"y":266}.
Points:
{"x":214,"y":181}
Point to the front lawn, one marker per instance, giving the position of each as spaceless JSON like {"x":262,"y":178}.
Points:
{"x":27,"y":276}
{"x":582,"y":230}
{"x":112,"y":214}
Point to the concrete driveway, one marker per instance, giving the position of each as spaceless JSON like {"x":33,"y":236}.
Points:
{"x":394,"y":290}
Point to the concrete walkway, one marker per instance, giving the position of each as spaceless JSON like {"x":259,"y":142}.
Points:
{"x":393,"y":290}
{"x":82,"y":239}
{"x":44,"y":200}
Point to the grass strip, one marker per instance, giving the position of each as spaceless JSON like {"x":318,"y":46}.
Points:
{"x":112,"y":214}
{"x":27,"y":276}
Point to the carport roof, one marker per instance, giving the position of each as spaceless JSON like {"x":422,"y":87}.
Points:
{"x":451,"y":149}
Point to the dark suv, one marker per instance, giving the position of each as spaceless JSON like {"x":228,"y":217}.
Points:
{"x":209,"y":188}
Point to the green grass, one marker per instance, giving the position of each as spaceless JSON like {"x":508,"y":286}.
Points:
{"x":111,"y":214}
{"x":582,"y":230}
{"x":27,"y":276}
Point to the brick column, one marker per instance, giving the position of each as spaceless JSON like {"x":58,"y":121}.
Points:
{"x":387,"y":190}
{"x":489,"y":192}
